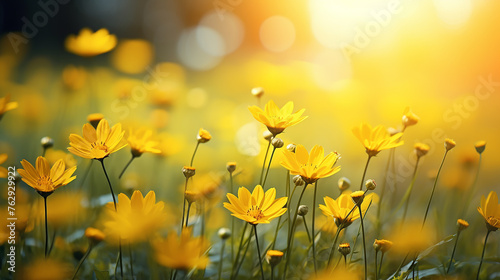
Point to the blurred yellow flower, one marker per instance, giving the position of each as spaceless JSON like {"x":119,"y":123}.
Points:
{"x":421,"y":149}
{"x":135,"y":219}
{"x":409,"y":118}
{"x":94,"y":235}
{"x":382,"y":245}
{"x":90,"y":44}
{"x":273,"y":257}
{"x":3,"y":170}
{"x":132,"y":56}
{"x":140,"y":142}
{"x":490,"y":210}
{"x":338,"y":273}
{"x":411,"y":237}
{"x":169,"y":144}
{"x":72,"y":202}
{"x":277,"y":119}
{"x":257,"y":207}
{"x":184,"y":252}
{"x":5,"y":105}
{"x":45,"y":179}
{"x":207,"y":185}
{"x":73,"y":77}
{"x":340,"y":207}
{"x":97,"y":143}
{"x":310,"y":167}
{"x":449,"y":144}
{"x":53,"y":156}
{"x":46,"y":269}
{"x":376,"y":139}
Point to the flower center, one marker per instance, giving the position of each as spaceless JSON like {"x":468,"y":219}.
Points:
{"x":255,"y":212}
{"x":494,"y":221}
{"x":45,"y":183}
{"x":99,"y":146}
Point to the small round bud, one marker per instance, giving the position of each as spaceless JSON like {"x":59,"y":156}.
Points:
{"x":297,"y":180}
{"x":462,"y":224}
{"x":449,"y":144}
{"x":480,"y":146}
{"x":224,"y":233}
{"x":382,"y":245}
{"x":303,"y":210}
{"x":409,"y":118}
{"x":188,"y":171}
{"x":291,"y":147}
{"x":231,"y":166}
{"x":94,"y":235}
{"x":277,"y":143}
{"x":191,"y":196}
{"x":268,"y":136}
{"x":370,"y":184}
{"x":421,"y":149}
{"x":344,"y":249}
{"x":273,"y":257}
{"x":257,"y":92}
{"x":203,"y":136}
{"x":344,"y":183}
{"x":358,"y":197}
{"x":47,"y":142}
{"x":94,"y":119}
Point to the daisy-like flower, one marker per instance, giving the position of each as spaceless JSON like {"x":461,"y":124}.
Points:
{"x":183,"y":252}
{"x":97,"y":143}
{"x":376,"y":139}
{"x":340,"y":207}
{"x":45,"y":179}
{"x":3,"y":170}
{"x":5,"y":105}
{"x":277,"y":119}
{"x":313,"y":166}
{"x":256,"y":207}
{"x":135,"y":219}
{"x":140,"y":142}
{"x":490,"y":210}
{"x":89,"y":44}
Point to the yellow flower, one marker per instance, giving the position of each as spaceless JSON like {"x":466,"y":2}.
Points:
{"x":45,"y":269}
{"x":310,"y":167}
{"x":45,"y":179}
{"x":273,"y":257}
{"x":409,"y":118}
{"x":382,"y":245}
{"x":5,"y":105}
{"x":421,"y":149}
{"x":490,"y":210}
{"x":135,"y":219}
{"x":3,"y":170}
{"x":74,"y":212}
{"x":257,"y":207}
{"x":184,"y":252}
{"x":74,"y":78}
{"x":339,"y":208}
{"x":94,"y":235}
{"x":376,"y":139}
{"x":203,"y":136}
{"x":462,"y":224}
{"x":90,"y":44}
{"x":277,"y":119}
{"x":97,"y":143}
{"x":480,"y":146}
{"x":449,"y":144}
{"x":54,"y":155}
{"x":140,"y":142}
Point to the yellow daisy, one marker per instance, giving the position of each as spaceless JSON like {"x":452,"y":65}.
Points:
{"x":257,"y":207}
{"x":340,"y":207}
{"x":310,"y":167}
{"x":90,"y":44}
{"x":45,"y":179}
{"x":97,"y":143}
{"x":5,"y":105}
{"x":490,"y":210}
{"x":376,"y":139}
{"x":277,"y":119}
{"x":140,"y":142}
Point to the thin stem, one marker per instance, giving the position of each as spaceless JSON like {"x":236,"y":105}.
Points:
{"x":86,"y":173}
{"x":289,"y":200}
{"x":244,"y":254}
{"x":364,"y":173}
{"x":406,"y":198}
{"x":126,"y":166}
{"x":276,"y":232}
{"x":272,"y":272}
{"x":221,"y":258}
{"x":131,"y":260}
{"x":46,"y":227}
{"x":235,"y":263}
{"x":376,"y":265}
{"x":453,"y":252}
{"x":313,"y":218}
{"x":307,"y":229}
{"x":258,"y":251}
{"x":203,"y":218}
{"x":87,"y":253}
{"x":482,"y":255}
{"x":109,"y":182}
{"x":184,"y":203}
{"x":332,"y":251}
{"x":382,"y":192}
{"x":268,"y":166}
{"x":434,"y":188}
{"x":264,"y":163}
{"x":364,"y":245}
{"x":232,"y":220}
{"x":380,"y":265}
{"x":187,"y":214}
{"x":120,"y":254}
{"x":44,"y":151}
{"x":194,"y":153}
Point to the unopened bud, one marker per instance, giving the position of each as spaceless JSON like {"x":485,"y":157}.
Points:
{"x":47,"y":142}
{"x":257,"y":92}
{"x":297,"y":180}
{"x":224,"y":233}
{"x":267,"y":135}
{"x":273,"y":257}
{"x":344,"y":249}
{"x":231,"y":166}
{"x":277,"y":143}
{"x":462,"y":224}
{"x":449,"y":144}
{"x":358,"y":197}
{"x":303,"y":210}
{"x":291,"y":147}
{"x":188,"y":171}
{"x":480,"y":146}
{"x":344,"y":183}
{"x":370,"y":184}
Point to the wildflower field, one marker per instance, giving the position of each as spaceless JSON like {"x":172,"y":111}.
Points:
{"x":232,"y":139}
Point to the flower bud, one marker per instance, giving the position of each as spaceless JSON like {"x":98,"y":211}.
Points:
{"x":297,"y":180}
{"x":188,"y":171}
{"x":203,"y":136}
{"x":224,"y":233}
{"x":291,"y":147}
{"x":277,"y":143}
{"x":480,"y":146}
{"x":191,"y":196}
{"x":303,"y":210}
{"x":94,"y":235}
{"x":382,"y":245}
{"x":421,"y":149}
{"x":409,"y":118}
{"x":268,"y":136}
{"x":257,"y":92}
{"x":344,"y":249}
{"x":344,"y":183}
{"x":358,"y":197}
{"x":370,"y":184}
{"x":47,"y":142}
{"x":94,"y":119}
{"x":231,"y":166}
{"x":273,"y":257}
{"x":462,"y":224}
{"x":449,"y":144}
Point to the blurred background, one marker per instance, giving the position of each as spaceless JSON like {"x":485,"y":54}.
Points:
{"x":183,"y":65}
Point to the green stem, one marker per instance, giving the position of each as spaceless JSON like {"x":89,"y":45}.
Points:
{"x":382,"y":192}
{"x":307,"y":229}
{"x":232,"y":221}
{"x":406,"y":198}
{"x":313,"y":218}
{"x":221,"y":258}
{"x":376,"y":266}
{"x":364,"y":173}
{"x":258,"y":251}
{"x":276,"y":232}
{"x":126,"y":166}
{"x":109,"y":182}
{"x":194,"y":153}
{"x":120,"y":254}
{"x":380,"y":265}
{"x":289,"y":199}
{"x":264,"y":163}
{"x":482,"y":255}
{"x":453,"y":252}
{"x":187,"y":214}
{"x":82,"y":261}
{"x":131,"y":261}
{"x":364,"y":245}
{"x":235,"y":263}
{"x":268,"y":166}
{"x":332,"y":251}
{"x":184,"y":203}
{"x":434,"y":188}
{"x":46,"y":227}
{"x":244,"y":254}
{"x":272,"y":272}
